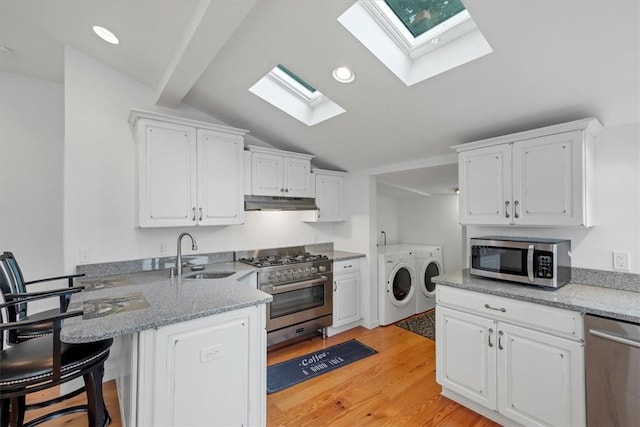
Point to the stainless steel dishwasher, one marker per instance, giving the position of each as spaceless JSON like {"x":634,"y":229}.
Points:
{"x":613,"y":372}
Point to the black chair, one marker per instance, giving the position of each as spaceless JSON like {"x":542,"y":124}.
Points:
{"x":14,"y":284}
{"x":44,"y":362}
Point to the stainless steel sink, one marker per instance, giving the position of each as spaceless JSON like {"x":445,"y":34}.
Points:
{"x":210,"y":275}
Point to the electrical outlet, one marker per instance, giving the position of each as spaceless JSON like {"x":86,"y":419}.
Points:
{"x":84,"y":256}
{"x":621,"y":261}
{"x":210,"y":353}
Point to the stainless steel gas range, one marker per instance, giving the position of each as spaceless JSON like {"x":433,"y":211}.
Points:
{"x":301,"y":286}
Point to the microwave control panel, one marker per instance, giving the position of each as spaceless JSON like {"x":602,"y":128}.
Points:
{"x":544,"y":265}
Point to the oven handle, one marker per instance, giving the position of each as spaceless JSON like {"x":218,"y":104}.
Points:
{"x":276,"y":289}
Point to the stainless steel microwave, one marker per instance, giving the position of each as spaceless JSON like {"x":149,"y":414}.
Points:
{"x":534,"y":261}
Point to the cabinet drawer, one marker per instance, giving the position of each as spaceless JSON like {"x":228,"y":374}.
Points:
{"x":347,"y":266}
{"x":557,"y":321}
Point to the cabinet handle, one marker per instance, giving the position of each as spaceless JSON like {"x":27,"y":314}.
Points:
{"x":193,"y":218}
{"x":502,"y":309}
{"x":319,"y":214}
{"x":335,"y":286}
{"x":282,"y":190}
{"x":500,"y":334}
{"x":515,"y":209}
{"x":286,"y":190}
{"x":506,"y":209}
{"x":200,"y":218}
{"x":489,"y":337}
{"x":348,"y":266}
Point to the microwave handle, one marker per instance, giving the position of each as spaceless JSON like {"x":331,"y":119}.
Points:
{"x":530,"y":262}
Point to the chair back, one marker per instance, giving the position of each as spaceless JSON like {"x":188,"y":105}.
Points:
{"x":8,"y":313}
{"x":15,"y":281}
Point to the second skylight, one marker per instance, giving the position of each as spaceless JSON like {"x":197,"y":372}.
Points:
{"x":287,"y":91}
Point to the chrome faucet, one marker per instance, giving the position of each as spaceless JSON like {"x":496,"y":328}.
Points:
{"x":194,"y":246}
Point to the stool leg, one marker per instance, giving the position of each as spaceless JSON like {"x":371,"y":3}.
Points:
{"x":18,"y":408}
{"x":4,"y":412}
{"x":98,"y":415}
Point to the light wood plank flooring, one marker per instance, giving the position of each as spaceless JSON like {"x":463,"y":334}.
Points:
{"x":395,"y":387}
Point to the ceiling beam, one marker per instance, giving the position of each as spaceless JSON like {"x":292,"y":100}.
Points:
{"x":213,"y":24}
{"x":402,"y":187}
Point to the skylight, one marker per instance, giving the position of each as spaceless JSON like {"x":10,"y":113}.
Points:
{"x":416,"y":39}
{"x":287,"y":91}
{"x":419,"y":16}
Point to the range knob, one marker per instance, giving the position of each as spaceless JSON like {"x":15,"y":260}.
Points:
{"x":272,"y":276}
{"x":299,"y":273}
{"x":288,"y":274}
{"x":314,"y":269}
{"x":322,"y":268}
{"x":278,"y":275}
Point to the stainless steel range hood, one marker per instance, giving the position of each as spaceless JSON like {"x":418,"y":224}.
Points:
{"x":274,"y":203}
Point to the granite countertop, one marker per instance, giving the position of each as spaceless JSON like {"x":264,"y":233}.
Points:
{"x":126,"y":303}
{"x":585,"y":298}
{"x":341,"y":255}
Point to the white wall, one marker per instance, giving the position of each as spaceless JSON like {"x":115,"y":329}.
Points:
{"x":433,"y":220}
{"x":31,"y":163}
{"x":99,"y":206}
{"x":387,"y":210}
{"x":617,"y":206}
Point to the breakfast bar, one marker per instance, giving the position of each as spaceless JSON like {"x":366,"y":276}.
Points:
{"x":179,"y":339}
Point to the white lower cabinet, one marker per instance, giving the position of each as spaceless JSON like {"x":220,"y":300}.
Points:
{"x":510,"y":373}
{"x":346,"y":295}
{"x":208,"y":371}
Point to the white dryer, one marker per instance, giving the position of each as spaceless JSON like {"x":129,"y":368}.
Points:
{"x":428,"y":265}
{"x":396,"y":284}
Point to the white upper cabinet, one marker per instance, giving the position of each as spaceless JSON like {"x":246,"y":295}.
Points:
{"x":280,"y":173}
{"x":189,"y":172}
{"x":538,"y":177}
{"x":220,"y":178}
{"x":329,"y":195}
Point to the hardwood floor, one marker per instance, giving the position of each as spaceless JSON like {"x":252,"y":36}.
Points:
{"x":80,"y":419}
{"x":395,"y":387}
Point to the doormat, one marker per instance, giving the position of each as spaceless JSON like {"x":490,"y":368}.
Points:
{"x":423,"y":324}
{"x":296,"y":370}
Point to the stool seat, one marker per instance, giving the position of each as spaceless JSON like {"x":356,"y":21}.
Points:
{"x":30,"y":362}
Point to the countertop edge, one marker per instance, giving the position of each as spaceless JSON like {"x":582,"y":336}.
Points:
{"x":584,"y":298}
{"x":78,"y":338}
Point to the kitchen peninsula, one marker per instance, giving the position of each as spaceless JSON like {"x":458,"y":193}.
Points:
{"x":190,"y":350}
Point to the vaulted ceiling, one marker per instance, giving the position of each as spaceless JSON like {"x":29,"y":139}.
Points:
{"x":551,"y":62}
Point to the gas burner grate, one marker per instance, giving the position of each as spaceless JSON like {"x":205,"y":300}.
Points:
{"x":271,"y":260}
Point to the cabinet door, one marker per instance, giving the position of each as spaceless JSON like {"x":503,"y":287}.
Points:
{"x":220,"y":178}
{"x":166,"y":174}
{"x":297,"y":177}
{"x":540,"y":378}
{"x":266,"y":175}
{"x":329,"y":198}
{"x":547,"y":180}
{"x":346,"y":299}
{"x":465,"y":355}
{"x":485,"y":185}
{"x":207,"y":371}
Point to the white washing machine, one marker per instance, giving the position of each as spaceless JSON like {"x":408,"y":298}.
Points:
{"x":396,"y":284}
{"x":428,"y":265}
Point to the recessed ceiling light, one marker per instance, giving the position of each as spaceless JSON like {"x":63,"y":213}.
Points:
{"x":435,"y":41}
{"x":105,"y":34}
{"x":343,"y":75}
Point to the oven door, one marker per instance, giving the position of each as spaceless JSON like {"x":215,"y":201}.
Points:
{"x":298,"y":302}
